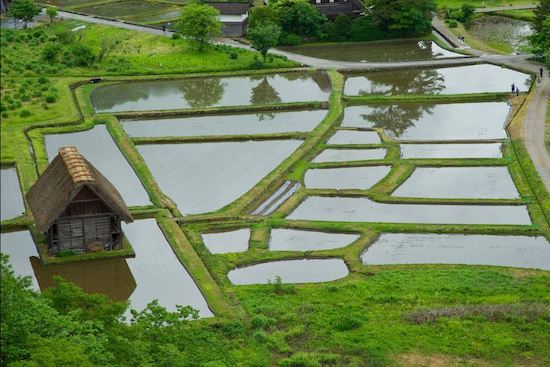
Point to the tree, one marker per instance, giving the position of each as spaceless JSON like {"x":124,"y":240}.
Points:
{"x":51,"y":12}
{"x":299,"y":17}
{"x":403,"y":17}
{"x":199,"y":23}
{"x":25,"y":10}
{"x":82,"y":55}
{"x":51,"y":51}
{"x":342,"y":28}
{"x":106,"y":46}
{"x":468,"y":11}
{"x":541,"y":12}
{"x":541,"y":41}
{"x":262,"y":14}
{"x":264,"y":36}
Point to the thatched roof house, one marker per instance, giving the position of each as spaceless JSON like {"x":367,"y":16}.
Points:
{"x":76,"y":207}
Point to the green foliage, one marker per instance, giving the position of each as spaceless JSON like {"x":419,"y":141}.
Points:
{"x":82,"y":55}
{"x":542,"y":12}
{"x":464,"y":14}
{"x":51,"y":12}
{"x":299,"y":17}
{"x":540,"y":41}
{"x":25,"y":10}
{"x":264,"y":36}
{"x":364,"y":29}
{"x":200,"y":23}
{"x":287,"y":39}
{"x":412,"y":17}
{"x":262,"y":14}
{"x":51,"y":52}
{"x":342,"y":28}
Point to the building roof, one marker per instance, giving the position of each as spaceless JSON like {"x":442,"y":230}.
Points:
{"x":233,"y":8}
{"x":64,"y":178}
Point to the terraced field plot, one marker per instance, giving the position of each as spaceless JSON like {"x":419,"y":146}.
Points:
{"x":11,"y":205}
{"x":297,"y":240}
{"x":361,"y":178}
{"x":227,"y":242}
{"x":443,"y":151}
{"x":349,"y":155}
{"x":124,"y":9}
{"x":19,"y":246}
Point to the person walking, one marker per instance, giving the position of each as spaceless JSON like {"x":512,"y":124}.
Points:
{"x":513,"y":87}
{"x":517,"y":91}
{"x":541,"y":72}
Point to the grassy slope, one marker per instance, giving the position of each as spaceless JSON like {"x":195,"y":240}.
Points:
{"x":547,"y":127}
{"x":483,"y":3}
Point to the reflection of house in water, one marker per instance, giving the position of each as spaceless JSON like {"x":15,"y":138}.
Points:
{"x":233,"y":16}
{"x":76,"y":207}
{"x":111,"y":277}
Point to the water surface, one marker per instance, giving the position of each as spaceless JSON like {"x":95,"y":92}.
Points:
{"x":346,"y":137}
{"x":355,"y":209}
{"x":377,"y":51}
{"x":11,"y":198}
{"x":211,"y":92}
{"x":503,"y":30}
{"x":483,"y":78}
{"x":226,"y":242}
{"x":203,"y":177}
{"x":361,"y":178}
{"x":432,"y":122}
{"x":459,"y":182}
{"x":298,"y":240}
{"x":258,"y":123}
{"x":348,"y":155}
{"x":99,"y":148}
{"x":430,"y":151}
{"x":290,"y":271}
{"x":20,"y":248}
{"x":415,"y":248}
{"x":123,"y":8}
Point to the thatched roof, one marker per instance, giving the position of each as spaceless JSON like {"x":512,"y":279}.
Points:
{"x":64,"y":178}
{"x":231,"y":8}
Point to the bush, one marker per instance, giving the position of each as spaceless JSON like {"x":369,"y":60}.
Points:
{"x":51,"y":51}
{"x":25,"y":98}
{"x":288,"y":39}
{"x":300,"y":360}
{"x":452,"y":23}
{"x":24,"y":113}
{"x":82,"y":55}
{"x":43,"y":80}
{"x":50,"y":99}
{"x":262,"y":322}
{"x":256,"y":63}
{"x":233,"y":56}
{"x":345,"y":322}
{"x":5,"y":115}
{"x":342,"y":28}
{"x":176,"y":36}
{"x":65,"y":253}
{"x":364,"y":29}
{"x":65,"y":37}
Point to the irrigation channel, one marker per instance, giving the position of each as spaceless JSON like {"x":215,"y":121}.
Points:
{"x":201,"y":160}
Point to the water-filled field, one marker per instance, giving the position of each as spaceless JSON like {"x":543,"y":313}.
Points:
{"x":245,"y":124}
{"x":483,"y":78}
{"x":503,"y":30}
{"x":352,"y":137}
{"x":290,"y":271}
{"x":430,"y":122}
{"x":459,"y":182}
{"x":416,"y":248}
{"x":19,"y":246}
{"x":99,"y":148}
{"x":443,"y":151}
{"x":227,"y":242}
{"x":355,"y":209}
{"x":348,"y":155}
{"x":361,"y":178}
{"x":203,"y":177}
{"x":299,"y":240}
{"x":11,"y":199}
{"x":378,"y":51}
{"x":211,"y":92}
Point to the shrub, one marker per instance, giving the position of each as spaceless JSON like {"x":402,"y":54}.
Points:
{"x":25,"y":98}
{"x":364,"y":29}
{"x":65,"y":253}
{"x":50,"y":99}
{"x":45,"y":106}
{"x":288,"y":39}
{"x":233,"y":56}
{"x":300,"y":360}
{"x":25,"y":113}
{"x":43,"y":80}
{"x":176,"y":36}
{"x":345,"y":322}
{"x":5,"y":115}
{"x":65,"y":37}
{"x":452,"y":23}
{"x":262,"y":322}
{"x":342,"y":28}
{"x":82,"y":55}
{"x":36,"y":94}
{"x":51,"y":51}
{"x":256,"y":63}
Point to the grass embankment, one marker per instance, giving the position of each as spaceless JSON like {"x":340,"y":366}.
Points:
{"x":527,"y":14}
{"x":483,"y":3}
{"x":547,"y":127}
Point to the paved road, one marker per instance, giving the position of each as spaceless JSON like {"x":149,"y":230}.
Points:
{"x":502,"y":8}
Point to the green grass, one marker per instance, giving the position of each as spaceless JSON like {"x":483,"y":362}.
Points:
{"x":483,"y":3}
{"x":547,"y":127}
{"x":527,"y":15}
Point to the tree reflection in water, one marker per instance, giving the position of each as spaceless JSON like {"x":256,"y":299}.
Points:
{"x":396,"y":118}
{"x":410,"y":81}
{"x":263,"y":94}
{"x":202,"y":92}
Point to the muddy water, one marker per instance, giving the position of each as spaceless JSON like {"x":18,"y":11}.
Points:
{"x":154,"y":273}
{"x":482,"y":78}
{"x":459,"y":182}
{"x":290,"y":271}
{"x":260,"y":123}
{"x":349,"y":209}
{"x":298,"y":240}
{"x":504,"y":30}
{"x":409,"y":248}
{"x":205,"y":177}
{"x":20,"y":248}
{"x":98,"y":147}
{"x":348,"y":155}
{"x":346,"y":137}
{"x":226,"y":242}
{"x":362,"y":178}
{"x":428,"y":151}
{"x":432,"y":122}
{"x":378,"y":51}
{"x":212,"y":92}
{"x":11,"y":199}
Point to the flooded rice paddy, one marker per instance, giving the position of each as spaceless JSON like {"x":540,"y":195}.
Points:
{"x":355,"y":209}
{"x":99,"y":148}
{"x":410,"y":248}
{"x":377,"y":51}
{"x":503,"y":30}
{"x":347,"y":155}
{"x":459,"y":182}
{"x":204,"y":177}
{"x":349,"y":137}
{"x":154,"y":273}
{"x":361,"y":178}
{"x":246,"y":124}
{"x":484,"y":78}
{"x":299,"y":240}
{"x":290,"y":271}
{"x":227,"y":242}
{"x":432,"y":122}
{"x":19,"y":246}
{"x":444,"y":151}
{"x":11,"y":198}
{"x":211,"y":92}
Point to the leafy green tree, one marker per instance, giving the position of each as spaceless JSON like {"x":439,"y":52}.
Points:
{"x":262,"y":14}
{"x":200,"y":23}
{"x":24,"y":10}
{"x":51,"y":12}
{"x":405,"y":17}
{"x":106,"y":46}
{"x":299,"y":17}
{"x":264,"y":36}
{"x":541,"y":41}
{"x":468,"y":11}
{"x":541,"y":12}
{"x":82,"y":55}
{"x":342,"y":28}
{"x":51,"y":51}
